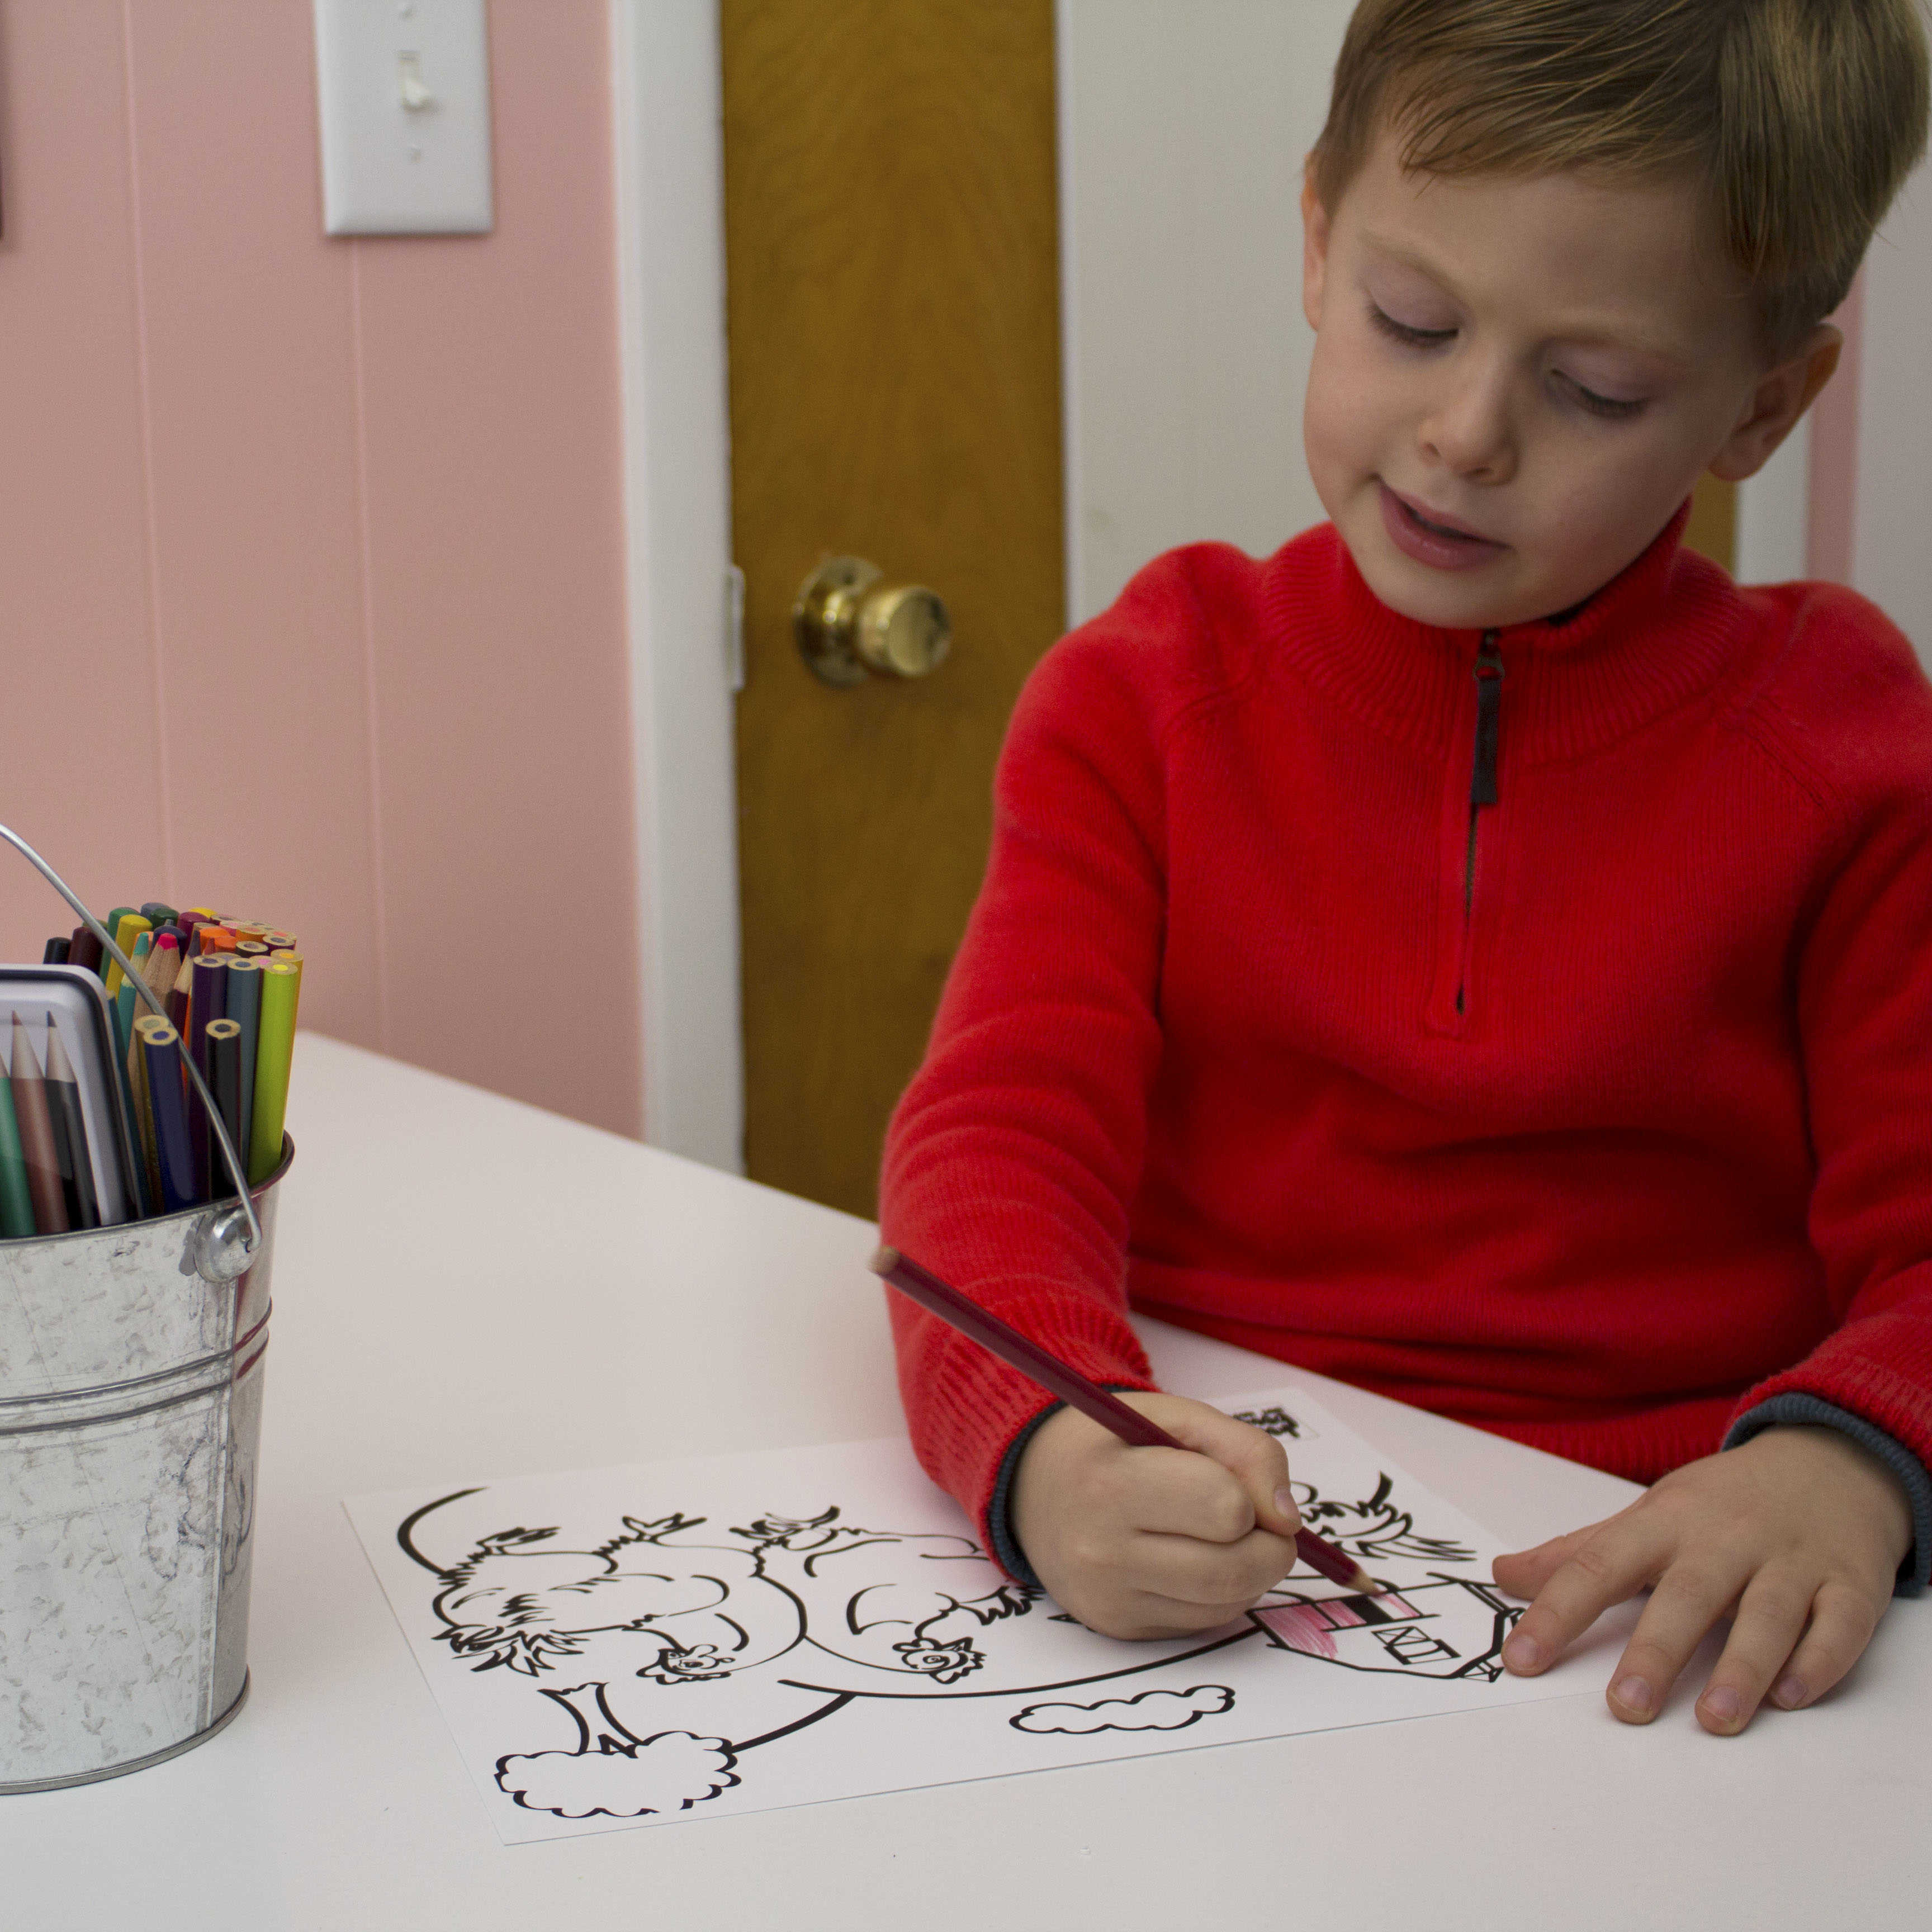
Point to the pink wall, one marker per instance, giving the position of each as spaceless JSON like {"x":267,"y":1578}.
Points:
{"x":311,"y":551}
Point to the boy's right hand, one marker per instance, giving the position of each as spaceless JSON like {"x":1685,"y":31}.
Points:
{"x":1155,"y":1543}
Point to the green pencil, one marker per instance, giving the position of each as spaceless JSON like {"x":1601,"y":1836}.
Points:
{"x":275,"y":1043}
{"x":16,"y":1202}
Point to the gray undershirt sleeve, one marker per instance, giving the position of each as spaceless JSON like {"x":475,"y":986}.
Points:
{"x":1796,"y":1407}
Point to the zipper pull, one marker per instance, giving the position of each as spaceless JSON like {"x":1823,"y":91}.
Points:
{"x":1489,"y":717}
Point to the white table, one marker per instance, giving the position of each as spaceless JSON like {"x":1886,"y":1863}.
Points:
{"x":466,"y":1287}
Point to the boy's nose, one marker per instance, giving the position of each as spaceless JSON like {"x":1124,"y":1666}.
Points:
{"x":1468,"y":430}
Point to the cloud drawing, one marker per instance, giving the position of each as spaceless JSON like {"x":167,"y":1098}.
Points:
{"x":669,"y":1772}
{"x":1151,"y":1711}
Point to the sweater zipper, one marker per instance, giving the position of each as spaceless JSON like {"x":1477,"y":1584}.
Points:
{"x":1482,"y":783}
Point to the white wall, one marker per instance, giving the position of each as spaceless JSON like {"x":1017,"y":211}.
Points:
{"x":1891,"y":557}
{"x":1182,"y":131}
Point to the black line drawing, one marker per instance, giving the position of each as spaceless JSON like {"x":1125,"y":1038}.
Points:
{"x":624,"y":1776}
{"x":695,"y":1644}
{"x":1151,"y":1711}
{"x":1275,"y":1420}
{"x":1351,"y":1631}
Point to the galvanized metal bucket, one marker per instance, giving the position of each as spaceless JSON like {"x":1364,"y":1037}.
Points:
{"x":130,"y":1419}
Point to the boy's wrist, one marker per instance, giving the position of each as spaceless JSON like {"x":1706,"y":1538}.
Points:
{"x":1796,"y":1409}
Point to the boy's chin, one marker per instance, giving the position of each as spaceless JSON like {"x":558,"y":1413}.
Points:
{"x":1486,"y":597}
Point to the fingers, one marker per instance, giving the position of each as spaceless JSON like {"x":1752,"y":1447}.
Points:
{"x":1842,"y":1623}
{"x":1187,"y":1570}
{"x":1254,"y":1458}
{"x":1524,"y":1572}
{"x":1610,"y":1564}
{"x":1770,"y":1617}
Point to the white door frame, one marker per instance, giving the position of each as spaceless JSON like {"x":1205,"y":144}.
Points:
{"x":668,"y":156}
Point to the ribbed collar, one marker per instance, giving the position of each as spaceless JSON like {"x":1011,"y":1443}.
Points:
{"x":1658,"y":634}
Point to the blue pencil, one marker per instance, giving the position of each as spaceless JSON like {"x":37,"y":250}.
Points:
{"x":161,"y":1044}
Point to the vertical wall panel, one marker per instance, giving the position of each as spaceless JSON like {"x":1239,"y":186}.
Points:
{"x":78,"y":737}
{"x":251,"y":376}
{"x":502,"y":699}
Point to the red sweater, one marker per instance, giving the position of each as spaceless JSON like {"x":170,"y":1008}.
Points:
{"x":1594,"y":1115}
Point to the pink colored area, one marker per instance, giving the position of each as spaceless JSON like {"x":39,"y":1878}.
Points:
{"x":1301,"y":1626}
{"x":311,"y":566}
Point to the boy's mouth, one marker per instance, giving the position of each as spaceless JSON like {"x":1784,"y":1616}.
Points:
{"x":1445,"y":546}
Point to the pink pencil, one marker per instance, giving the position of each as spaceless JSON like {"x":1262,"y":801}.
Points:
{"x":1058,"y":1377}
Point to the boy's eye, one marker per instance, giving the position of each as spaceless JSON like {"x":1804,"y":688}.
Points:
{"x":1402,"y":331}
{"x":1611,"y":407}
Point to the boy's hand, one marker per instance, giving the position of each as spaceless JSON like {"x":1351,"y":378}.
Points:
{"x":1797,"y":1536}
{"x":1154,"y":1543}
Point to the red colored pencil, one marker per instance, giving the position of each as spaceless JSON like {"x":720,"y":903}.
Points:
{"x":1061,"y":1378}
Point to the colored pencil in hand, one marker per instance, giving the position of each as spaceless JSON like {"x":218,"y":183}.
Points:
{"x":1064,"y":1380}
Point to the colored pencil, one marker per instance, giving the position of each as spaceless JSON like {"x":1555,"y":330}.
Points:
{"x":216,"y":939}
{"x":125,"y":930}
{"x":1062,"y":1379}
{"x":158,"y":912}
{"x":251,"y":949}
{"x":279,"y":942}
{"x":37,"y":1146}
{"x":245,"y":1004}
{"x":141,"y":1105}
{"x":209,"y":1003}
{"x":163,"y":966}
{"x":70,"y":1125}
{"x":16,"y":1197}
{"x":84,"y":949}
{"x":160,"y":1045}
{"x":55,"y":952}
{"x":271,"y":1069}
{"x":289,"y":957}
{"x":224,"y":1078}
{"x":180,"y":993}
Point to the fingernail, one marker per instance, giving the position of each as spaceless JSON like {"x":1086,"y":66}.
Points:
{"x":1724,"y":1704}
{"x":1790,"y":1693}
{"x":1284,"y":1503}
{"x":1522,"y":1653}
{"x":1634,"y":1695}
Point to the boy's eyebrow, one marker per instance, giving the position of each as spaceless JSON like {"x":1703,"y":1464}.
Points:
{"x":1585,"y":331}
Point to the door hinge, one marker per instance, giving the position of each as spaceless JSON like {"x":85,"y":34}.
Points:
{"x":734,"y":628}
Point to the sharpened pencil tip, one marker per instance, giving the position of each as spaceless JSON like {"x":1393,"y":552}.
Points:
{"x":1363,"y":1584}
{"x":884,"y":1261}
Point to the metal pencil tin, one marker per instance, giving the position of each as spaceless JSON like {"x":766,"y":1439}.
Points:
{"x":131,"y":1419}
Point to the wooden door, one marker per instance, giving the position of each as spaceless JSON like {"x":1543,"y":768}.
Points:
{"x":893,"y":303}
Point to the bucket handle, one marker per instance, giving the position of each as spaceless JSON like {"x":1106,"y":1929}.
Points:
{"x":228,"y":1238}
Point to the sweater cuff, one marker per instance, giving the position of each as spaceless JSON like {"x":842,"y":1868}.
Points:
{"x":1796,"y":1407}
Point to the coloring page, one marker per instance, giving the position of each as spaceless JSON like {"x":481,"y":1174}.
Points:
{"x":678,"y":1640}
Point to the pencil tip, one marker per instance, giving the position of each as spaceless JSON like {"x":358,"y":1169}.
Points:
{"x":884,"y":1261}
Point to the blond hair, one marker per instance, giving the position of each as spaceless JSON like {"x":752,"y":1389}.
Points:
{"x":1802,"y":118}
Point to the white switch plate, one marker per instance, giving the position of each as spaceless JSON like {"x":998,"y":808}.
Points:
{"x":389,"y":167}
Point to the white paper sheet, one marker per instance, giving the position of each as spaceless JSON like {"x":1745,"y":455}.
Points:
{"x":677,"y":1640}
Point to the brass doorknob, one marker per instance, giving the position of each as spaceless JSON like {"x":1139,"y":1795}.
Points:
{"x":849,"y":625}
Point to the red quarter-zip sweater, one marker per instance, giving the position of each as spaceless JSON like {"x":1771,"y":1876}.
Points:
{"x":1535,"y":1025}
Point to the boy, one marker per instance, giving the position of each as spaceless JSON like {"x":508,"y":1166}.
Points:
{"x":1480,"y":952}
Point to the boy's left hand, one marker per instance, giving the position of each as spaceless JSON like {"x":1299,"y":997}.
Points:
{"x":1797,"y":1535}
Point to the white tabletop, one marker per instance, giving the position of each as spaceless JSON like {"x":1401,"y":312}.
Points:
{"x":466,"y":1288}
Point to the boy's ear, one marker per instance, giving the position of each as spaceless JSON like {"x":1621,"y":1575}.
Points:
{"x":1783,"y":395}
{"x":1314,"y":250}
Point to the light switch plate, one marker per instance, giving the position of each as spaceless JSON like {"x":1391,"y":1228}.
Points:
{"x":403,"y":89}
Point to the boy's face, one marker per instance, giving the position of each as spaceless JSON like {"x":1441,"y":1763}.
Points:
{"x":1546,"y":363}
